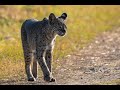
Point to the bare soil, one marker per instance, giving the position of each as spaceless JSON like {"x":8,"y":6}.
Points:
{"x":95,"y":64}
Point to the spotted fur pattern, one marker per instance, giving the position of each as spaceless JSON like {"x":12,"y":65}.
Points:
{"x":38,"y":42}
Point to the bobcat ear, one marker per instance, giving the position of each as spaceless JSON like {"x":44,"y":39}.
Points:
{"x":52,"y":17}
{"x":45,"y":18}
{"x":63,"y":16}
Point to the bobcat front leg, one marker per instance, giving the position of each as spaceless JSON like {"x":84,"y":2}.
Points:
{"x":43,"y":64}
{"x":48,"y":58}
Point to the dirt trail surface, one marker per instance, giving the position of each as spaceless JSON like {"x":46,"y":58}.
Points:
{"x":96,"y":63}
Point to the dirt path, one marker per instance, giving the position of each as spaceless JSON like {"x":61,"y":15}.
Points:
{"x":97,"y":63}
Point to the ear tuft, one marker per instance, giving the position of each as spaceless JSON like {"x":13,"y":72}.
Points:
{"x":63,"y":16}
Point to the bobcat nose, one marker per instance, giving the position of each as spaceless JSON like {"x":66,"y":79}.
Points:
{"x":63,"y":32}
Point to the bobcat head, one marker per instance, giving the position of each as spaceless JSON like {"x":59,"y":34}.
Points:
{"x":57,"y":24}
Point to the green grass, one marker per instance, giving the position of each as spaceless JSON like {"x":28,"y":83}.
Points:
{"x":84,"y":23}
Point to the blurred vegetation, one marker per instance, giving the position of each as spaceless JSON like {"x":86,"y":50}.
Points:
{"x":84,"y":22}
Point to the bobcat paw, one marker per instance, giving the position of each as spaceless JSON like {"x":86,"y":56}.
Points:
{"x":49,"y":79}
{"x":31,"y":79}
{"x":52,"y":80}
